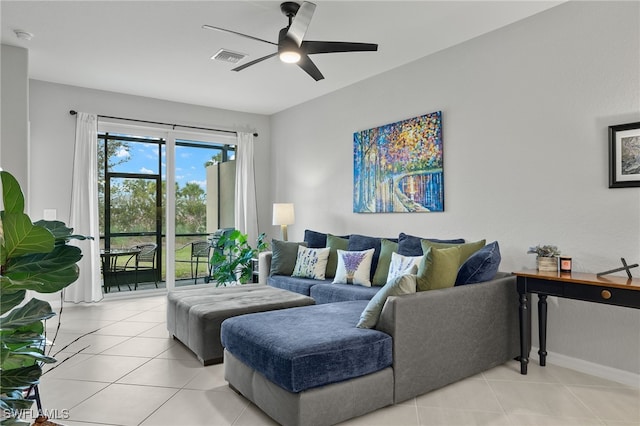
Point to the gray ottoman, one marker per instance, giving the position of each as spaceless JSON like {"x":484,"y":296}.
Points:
{"x":194,"y":315}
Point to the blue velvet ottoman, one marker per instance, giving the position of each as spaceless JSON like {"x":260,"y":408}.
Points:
{"x":309,"y":365}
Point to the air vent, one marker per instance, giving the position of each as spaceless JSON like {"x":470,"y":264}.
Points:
{"x":228,"y":56}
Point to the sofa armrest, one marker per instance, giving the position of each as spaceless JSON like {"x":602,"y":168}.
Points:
{"x":442,"y":336}
{"x":264,"y":266}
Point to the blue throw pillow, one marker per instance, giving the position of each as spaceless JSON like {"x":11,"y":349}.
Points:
{"x":315,"y":239}
{"x":481,"y":266}
{"x":408,"y":245}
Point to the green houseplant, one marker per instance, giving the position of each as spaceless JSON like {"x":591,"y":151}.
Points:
{"x":232,"y":257}
{"x":37,"y":257}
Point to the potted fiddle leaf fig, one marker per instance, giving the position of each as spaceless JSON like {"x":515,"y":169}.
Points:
{"x":36,"y":257}
{"x":232,"y":258}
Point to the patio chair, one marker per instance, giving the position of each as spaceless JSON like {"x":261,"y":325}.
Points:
{"x":144,"y":261}
{"x":200,"y":251}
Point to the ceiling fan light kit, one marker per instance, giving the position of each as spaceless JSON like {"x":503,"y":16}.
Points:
{"x":292,"y":48}
{"x":290,"y":57}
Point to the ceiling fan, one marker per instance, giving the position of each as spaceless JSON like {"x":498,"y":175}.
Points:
{"x":292,"y":48}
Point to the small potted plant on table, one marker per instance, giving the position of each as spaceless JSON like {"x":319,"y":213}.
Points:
{"x":547,"y":257}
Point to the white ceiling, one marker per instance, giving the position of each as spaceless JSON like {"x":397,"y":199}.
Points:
{"x":158,"y":49}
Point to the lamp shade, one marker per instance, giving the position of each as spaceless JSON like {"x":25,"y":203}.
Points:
{"x":283,"y":214}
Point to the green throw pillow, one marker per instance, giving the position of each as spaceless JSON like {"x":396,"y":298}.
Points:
{"x":382,"y":270}
{"x":439,"y":268}
{"x":335,"y":244}
{"x":466,"y":249}
{"x":402,"y":284}
{"x":284,"y":255}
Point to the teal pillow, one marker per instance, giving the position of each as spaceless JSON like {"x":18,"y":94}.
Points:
{"x":335,"y":244}
{"x":439,"y":268}
{"x":283,"y":257}
{"x":403,"y":284}
{"x":382,"y":270}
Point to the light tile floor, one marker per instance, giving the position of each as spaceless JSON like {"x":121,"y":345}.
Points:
{"x":131,"y":372}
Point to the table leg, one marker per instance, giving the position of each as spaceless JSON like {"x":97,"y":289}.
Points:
{"x":524,"y":334}
{"x":542,"y":328}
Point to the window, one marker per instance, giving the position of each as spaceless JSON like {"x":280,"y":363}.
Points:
{"x":132,"y":169}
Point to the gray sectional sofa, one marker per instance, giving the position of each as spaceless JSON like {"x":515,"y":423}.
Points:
{"x":312,"y":366}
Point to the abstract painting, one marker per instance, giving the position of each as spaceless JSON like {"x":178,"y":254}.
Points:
{"x":398,"y":167}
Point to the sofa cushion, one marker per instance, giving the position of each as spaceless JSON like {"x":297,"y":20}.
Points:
{"x":387,"y":247}
{"x":439,"y":268}
{"x":334,"y":243}
{"x":481,"y":266}
{"x":409,"y":245}
{"x":315,"y":346}
{"x":362,"y":242}
{"x":332,"y":293}
{"x":311,"y":263}
{"x":354,"y":267}
{"x":283,"y":257}
{"x":466,"y":249}
{"x":402,"y":284}
{"x":402,"y":265}
{"x":315,"y":239}
{"x":298,"y":285}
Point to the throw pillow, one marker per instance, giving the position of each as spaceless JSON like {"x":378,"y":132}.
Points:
{"x":315,"y":239}
{"x":403,"y":284}
{"x":334,"y":243}
{"x":409,"y":245}
{"x":387,"y":249}
{"x":354,"y":267}
{"x":438,"y":268}
{"x":466,"y":249}
{"x":402,"y":265}
{"x":363,"y":242}
{"x":284,"y":255}
{"x":481,"y":266}
{"x":311,"y":263}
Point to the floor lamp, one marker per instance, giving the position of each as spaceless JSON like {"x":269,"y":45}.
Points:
{"x":283,"y":215}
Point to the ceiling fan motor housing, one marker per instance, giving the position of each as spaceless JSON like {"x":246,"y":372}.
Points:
{"x":289,"y":8}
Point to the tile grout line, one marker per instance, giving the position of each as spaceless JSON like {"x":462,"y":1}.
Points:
{"x":495,"y":395}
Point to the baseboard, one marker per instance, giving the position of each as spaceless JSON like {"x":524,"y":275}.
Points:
{"x":621,"y":376}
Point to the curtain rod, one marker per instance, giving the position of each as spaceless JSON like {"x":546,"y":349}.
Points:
{"x":73,"y":112}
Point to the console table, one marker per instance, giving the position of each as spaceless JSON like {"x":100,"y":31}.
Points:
{"x":606,"y":289}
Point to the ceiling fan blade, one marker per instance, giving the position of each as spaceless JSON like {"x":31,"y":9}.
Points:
{"x":301,"y":22}
{"x":310,"y":68}
{"x":248,"y":64}
{"x":224,"y":30}
{"x":313,"y":47}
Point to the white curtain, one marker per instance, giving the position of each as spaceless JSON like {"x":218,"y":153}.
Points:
{"x":84,"y":210}
{"x":246,"y":211}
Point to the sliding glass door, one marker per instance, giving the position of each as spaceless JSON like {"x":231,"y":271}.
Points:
{"x":167,"y":189}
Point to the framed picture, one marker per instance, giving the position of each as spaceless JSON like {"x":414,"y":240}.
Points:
{"x":397,"y":167}
{"x":624,"y":155}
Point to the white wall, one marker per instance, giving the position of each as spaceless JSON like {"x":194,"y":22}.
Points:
{"x":53,"y":136}
{"x":14,"y":119}
{"x":525,"y":116}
